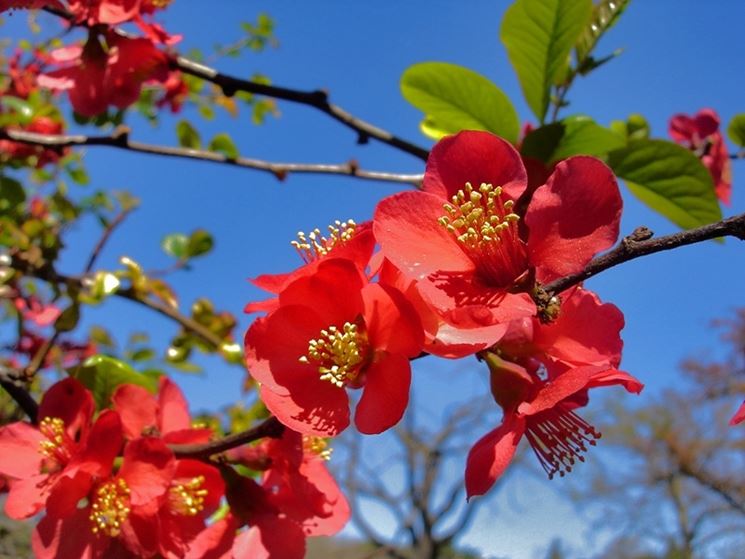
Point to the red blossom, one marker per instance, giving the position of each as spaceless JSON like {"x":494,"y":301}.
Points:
{"x":468,"y":250}
{"x":110,"y":12}
{"x":739,"y":416}
{"x":540,"y":373}
{"x":333,"y":329}
{"x":700,"y":133}
{"x":99,"y":77}
{"x":56,"y":463}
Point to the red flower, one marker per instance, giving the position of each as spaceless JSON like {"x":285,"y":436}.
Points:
{"x":111,"y":12}
{"x":98,"y":77}
{"x":701,"y":134}
{"x":540,"y":373}
{"x":333,"y":329}
{"x":154,"y":505}
{"x":462,"y":241}
{"x":167,"y":416}
{"x":57,"y":462}
{"x":739,"y":416}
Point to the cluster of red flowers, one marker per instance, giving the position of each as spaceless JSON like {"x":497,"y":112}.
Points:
{"x":149,"y":502}
{"x":458,"y":272}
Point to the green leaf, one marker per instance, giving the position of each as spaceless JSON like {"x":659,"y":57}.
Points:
{"x":78,"y":174}
{"x":575,"y":135}
{"x":223,"y":143}
{"x":669,"y":179}
{"x":736,"y":129}
{"x":539,"y":36}
{"x":200,"y":242}
{"x":176,"y":245}
{"x":68,"y":319}
{"x":454,"y":98}
{"x":12,"y":195}
{"x":187,"y":135}
{"x":22,"y":109}
{"x":605,"y":14}
{"x":102,"y":375}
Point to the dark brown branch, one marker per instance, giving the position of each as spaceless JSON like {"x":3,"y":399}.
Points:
{"x":270,"y":427}
{"x":640,"y":243}
{"x":120,"y":139}
{"x":21,"y":396}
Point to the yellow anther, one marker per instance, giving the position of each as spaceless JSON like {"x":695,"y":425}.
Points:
{"x":56,"y":447}
{"x":318,"y":446}
{"x":478,"y":217}
{"x":110,"y":508}
{"x":314,"y":245}
{"x":187,"y":499}
{"x":338,"y":353}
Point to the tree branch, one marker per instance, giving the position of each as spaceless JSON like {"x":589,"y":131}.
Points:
{"x":120,"y":139}
{"x":270,"y":427}
{"x":21,"y":396}
{"x":640,"y":243}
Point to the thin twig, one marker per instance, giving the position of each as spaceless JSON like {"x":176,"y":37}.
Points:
{"x":270,"y":427}
{"x":120,"y":139}
{"x":640,"y":243}
{"x":96,"y":252}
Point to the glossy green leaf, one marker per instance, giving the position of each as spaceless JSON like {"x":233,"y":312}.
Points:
{"x":669,"y":179}
{"x":188,"y":136}
{"x":736,"y":129}
{"x":454,"y":98}
{"x":102,"y":375}
{"x":605,"y":14}
{"x":176,"y":245}
{"x":200,"y":242}
{"x":576,"y":135}
{"x":539,"y":36}
{"x":223,"y":143}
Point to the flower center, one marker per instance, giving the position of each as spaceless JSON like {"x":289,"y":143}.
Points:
{"x":318,"y":446}
{"x":559,"y":438}
{"x":187,"y":499}
{"x":339,"y":353}
{"x":56,"y":447}
{"x":110,"y":508}
{"x":484,"y":225}
{"x":313,"y":246}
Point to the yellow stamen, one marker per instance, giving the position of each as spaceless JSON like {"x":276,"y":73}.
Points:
{"x":110,"y":508}
{"x":56,"y":447}
{"x":187,"y":498}
{"x":314,"y":245}
{"x":338,"y":353}
{"x":318,"y":446}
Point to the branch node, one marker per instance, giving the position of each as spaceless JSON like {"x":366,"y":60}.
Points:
{"x":120,"y":135}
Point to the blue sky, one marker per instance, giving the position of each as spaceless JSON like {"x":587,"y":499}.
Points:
{"x":678,"y":57}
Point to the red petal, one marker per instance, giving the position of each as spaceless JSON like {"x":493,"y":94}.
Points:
{"x":271,"y":538}
{"x":587,"y":332}
{"x":69,"y":401}
{"x":562,"y":387}
{"x":102,"y":445}
{"x":137,"y":409}
{"x":27,"y":496}
{"x":117,"y":11}
{"x":392,"y":322}
{"x":385,"y":395}
{"x":71,"y":537}
{"x":612,"y":377}
{"x":67,"y":493}
{"x":313,"y":408}
{"x":411,"y":238}
{"x":490,"y":456}
{"x":173,"y":410}
{"x":575,"y":215}
{"x":213,"y":483}
{"x":475,"y":157}
{"x":148,"y":469}
{"x":215,"y":541}
{"x":335,"y":513}
{"x":739,"y":416}
{"x":19,"y":450}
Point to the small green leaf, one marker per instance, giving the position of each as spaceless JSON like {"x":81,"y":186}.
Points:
{"x":68,"y":319}
{"x":223,"y":143}
{"x":78,"y":174}
{"x":176,"y":245}
{"x":454,"y":98}
{"x":102,"y":375}
{"x":669,"y":179}
{"x":23,"y":110}
{"x":539,"y":36}
{"x":188,"y":136}
{"x":200,"y":242}
{"x":736,"y":129}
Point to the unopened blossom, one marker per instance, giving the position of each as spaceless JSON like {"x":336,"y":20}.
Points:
{"x":700,"y":133}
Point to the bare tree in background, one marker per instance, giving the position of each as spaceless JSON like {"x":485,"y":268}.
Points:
{"x":420,"y":484}
{"x":674,"y":484}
